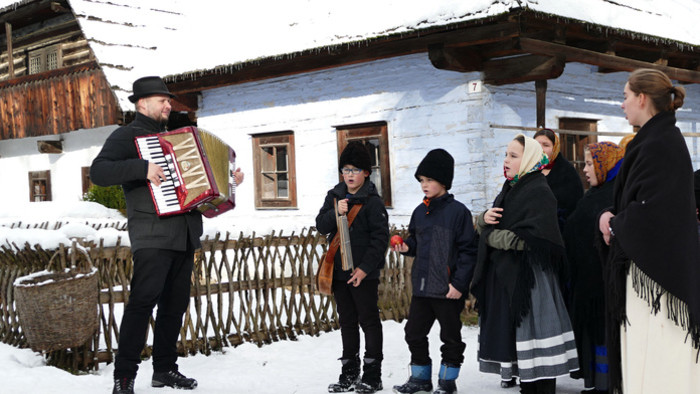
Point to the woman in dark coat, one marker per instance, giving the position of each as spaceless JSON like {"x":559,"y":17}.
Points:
{"x":524,"y":326}
{"x":561,"y":175}
{"x":587,"y":310}
{"x":652,"y":270}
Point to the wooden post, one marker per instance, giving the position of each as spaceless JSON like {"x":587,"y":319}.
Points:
{"x":541,"y":101}
{"x":10,"y":56}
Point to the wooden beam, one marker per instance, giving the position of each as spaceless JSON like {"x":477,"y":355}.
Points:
{"x":50,"y":146}
{"x":188,"y":102}
{"x":541,"y":101}
{"x":454,"y":59}
{"x":522,"y":69}
{"x":480,"y":35}
{"x":578,"y":132}
{"x":573,"y":54}
{"x":10,"y":55}
{"x":29,"y":9}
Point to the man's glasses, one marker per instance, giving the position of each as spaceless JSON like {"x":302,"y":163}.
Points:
{"x":348,"y":171}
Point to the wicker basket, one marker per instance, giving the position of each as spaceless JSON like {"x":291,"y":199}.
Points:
{"x":58,"y":309}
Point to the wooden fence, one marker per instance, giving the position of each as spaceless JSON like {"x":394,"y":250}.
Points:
{"x":249,"y":289}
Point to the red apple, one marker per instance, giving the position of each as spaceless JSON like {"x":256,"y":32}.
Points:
{"x":396,"y":240}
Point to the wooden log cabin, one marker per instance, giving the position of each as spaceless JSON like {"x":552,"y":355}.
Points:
{"x":53,"y":83}
{"x":55,"y":99}
{"x":50,"y":84}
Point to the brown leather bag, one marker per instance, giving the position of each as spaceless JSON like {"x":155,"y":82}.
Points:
{"x":324,"y":275}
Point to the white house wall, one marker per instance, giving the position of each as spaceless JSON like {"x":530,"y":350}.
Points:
{"x":20,"y":156}
{"x":424,"y":108}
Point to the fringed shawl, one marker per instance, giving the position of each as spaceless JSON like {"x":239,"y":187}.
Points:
{"x":655,"y":226}
{"x":529,"y":210}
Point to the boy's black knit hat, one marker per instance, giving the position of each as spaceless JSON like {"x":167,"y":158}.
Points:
{"x":438,"y":165}
{"x":357,"y":155}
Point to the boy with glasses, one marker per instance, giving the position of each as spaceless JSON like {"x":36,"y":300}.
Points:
{"x":356,"y":290}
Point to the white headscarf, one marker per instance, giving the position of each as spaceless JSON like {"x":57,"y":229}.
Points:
{"x":533,"y":159}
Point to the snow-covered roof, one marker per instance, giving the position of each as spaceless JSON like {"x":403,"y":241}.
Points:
{"x":134,"y":38}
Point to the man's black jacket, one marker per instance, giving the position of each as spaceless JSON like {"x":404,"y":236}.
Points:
{"x":118,"y":163}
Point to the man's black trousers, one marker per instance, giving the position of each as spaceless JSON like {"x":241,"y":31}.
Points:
{"x":161,"y":277}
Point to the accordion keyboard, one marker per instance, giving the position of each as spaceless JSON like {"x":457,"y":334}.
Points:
{"x":164,"y":196}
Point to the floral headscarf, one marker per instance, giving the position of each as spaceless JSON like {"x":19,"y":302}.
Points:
{"x":534,"y":159}
{"x":606,"y":160}
{"x":626,"y":140}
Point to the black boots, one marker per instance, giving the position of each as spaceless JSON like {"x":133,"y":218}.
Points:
{"x":543,"y":386}
{"x":123,"y":386}
{"x":173,"y":379}
{"x":349,"y":379}
{"x":371,"y":381}
{"x":349,"y":376}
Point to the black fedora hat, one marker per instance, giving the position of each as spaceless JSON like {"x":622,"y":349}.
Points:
{"x":148,"y":86}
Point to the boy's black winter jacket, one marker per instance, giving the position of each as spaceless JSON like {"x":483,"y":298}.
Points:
{"x":443,"y":241}
{"x":369,"y":233}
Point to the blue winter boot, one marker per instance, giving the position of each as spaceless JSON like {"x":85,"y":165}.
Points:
{"x":447,"y":379}
{"x":418,"y":383}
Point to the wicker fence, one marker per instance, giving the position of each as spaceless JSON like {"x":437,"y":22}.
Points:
{"x":247,"y":289}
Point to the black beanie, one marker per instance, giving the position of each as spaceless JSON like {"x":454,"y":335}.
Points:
{"x":438,"y":165}
{"x":357,"y":155}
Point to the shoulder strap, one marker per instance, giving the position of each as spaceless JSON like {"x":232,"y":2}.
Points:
{"x":335,"y":243}
{"x":353,"y":212}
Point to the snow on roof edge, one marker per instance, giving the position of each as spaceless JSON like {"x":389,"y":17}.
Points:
{"x":232,"y":67}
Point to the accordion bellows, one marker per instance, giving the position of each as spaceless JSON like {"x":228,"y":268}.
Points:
{"x":199,"y":170}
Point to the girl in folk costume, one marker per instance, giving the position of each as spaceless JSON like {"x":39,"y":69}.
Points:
{"x":561,"y":175}
{"x":524,"y":327}
{"x":356,"y":291}
{"x":652,"y":269}
{"x":587,"y":310}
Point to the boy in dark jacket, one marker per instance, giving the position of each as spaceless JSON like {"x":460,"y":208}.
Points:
{"x":443,"y":241}
{"x":356,"y":291}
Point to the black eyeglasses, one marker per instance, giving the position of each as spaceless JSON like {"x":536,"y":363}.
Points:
{"x":348,"y":171}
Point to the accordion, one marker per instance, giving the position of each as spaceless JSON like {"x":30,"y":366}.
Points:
{"x":199,"y":171}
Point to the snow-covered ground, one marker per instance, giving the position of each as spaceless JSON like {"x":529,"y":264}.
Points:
{"x":306,"y":365}
{"x":303,"y":366}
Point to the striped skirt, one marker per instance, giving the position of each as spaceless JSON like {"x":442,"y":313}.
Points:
{"x":544,"y":341}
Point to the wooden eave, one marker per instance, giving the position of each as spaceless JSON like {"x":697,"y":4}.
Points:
{"x":42,"y":76}
{"x":29,"y":12}
{"x":519,"y":46}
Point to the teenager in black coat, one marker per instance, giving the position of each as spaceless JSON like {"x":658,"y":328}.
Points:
{"x":653,"y":268}
{"x":587,"y":310}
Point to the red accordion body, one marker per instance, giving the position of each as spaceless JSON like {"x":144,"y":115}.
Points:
{"x":199,"y":171}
